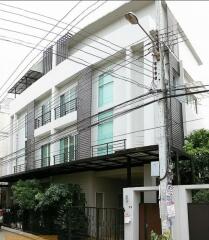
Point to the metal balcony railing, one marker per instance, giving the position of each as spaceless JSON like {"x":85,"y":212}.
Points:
{"x":65,"y":157}
{"x":42,"y":162}
{"x":65,"y":108}
{"x":108,"y":148}
{"x":19,"y":168}
{"x":43,"y":119}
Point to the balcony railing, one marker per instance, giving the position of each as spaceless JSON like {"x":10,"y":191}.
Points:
{"x":43,"y":119}
{"x":19,"y":168}
{"x":65,"y":108}
{"x":108,"y":148}
{"x":65,"y":157}
{"x":42,"y":162}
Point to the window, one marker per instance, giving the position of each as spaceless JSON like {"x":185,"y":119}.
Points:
{"x":105,"y":89}
{"x":72,"y":99}
{"x":68,"y":148}
{"x":45,"y":155}
{"x":62,"y":105}
{"x":44,"y":114}
{"x":67,"y":103}
{"x":192,"y":100}
{"x":105,"y":133}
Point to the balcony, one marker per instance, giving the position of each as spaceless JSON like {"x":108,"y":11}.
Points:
{"x":42,"y":162}
{"x":65,"y":108}
{"x":65,"y":157}
{"x":19,"y":168}
{"x":43,"y":119}
{"x":108,"y":148}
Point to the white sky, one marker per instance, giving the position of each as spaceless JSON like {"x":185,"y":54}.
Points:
{"x":193,"y":16}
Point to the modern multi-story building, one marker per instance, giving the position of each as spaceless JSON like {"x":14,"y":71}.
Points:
{"x":78,"y":115}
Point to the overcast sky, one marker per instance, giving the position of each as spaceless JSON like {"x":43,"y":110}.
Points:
{"x":192,"y":15}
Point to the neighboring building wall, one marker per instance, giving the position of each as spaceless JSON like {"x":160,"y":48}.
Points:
{"x":182,"y":196}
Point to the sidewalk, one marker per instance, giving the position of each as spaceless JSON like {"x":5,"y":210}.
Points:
{"x":12,"y":234}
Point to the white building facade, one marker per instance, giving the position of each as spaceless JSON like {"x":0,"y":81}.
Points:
{"x":74,"y":105}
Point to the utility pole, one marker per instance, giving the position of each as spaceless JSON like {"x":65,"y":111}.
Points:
{"x":165,"y":188}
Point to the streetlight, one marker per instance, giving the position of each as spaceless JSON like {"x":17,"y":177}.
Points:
{"x":132,"y":18}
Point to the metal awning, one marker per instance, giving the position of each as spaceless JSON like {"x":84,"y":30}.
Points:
{"x":29,"y":78}
{"x":120,"y":159}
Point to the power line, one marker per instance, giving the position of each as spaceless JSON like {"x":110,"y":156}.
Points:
{"x":60,"y":32}
{"x":34,"y":58}
{"x":137,"y":107}
{"x":102,"y":72}
{"x":105,"y":119}
{"x":95,"y":116}
{"x":86,"y":52}
{"x":54,"y":26}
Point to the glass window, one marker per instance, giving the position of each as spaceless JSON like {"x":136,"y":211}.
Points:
{"x":68,"y":148}
{"x":105,"y":133}
{"x":105,"y":89}
{"x":45,"y":155}
{"x":62,"y":105}
{"x":63,"y":150}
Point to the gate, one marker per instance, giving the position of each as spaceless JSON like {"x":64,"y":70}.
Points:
{"x":95,"y":223}
{"x":198,"y":214}
{"x":78,"y":223}
{"x":149,"y":219}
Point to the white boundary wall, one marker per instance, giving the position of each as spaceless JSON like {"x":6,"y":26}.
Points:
{"x":182,"y":196}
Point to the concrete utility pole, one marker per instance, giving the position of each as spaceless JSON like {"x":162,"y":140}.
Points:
{"x":165,"y":188}
{"x":164,"y":155}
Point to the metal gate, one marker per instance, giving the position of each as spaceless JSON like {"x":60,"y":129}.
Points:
{"x":78,"y":223}
{"x":198,"y":214}
{"x":96,"y":223}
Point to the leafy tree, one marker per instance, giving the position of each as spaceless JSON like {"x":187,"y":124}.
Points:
{"x":58,"y":208}
{"x":197,"y":142}
{"x":201,"y":196}
{"x":64,"y":203}
{"x":197,"y":146}
{"x":25,"y":194}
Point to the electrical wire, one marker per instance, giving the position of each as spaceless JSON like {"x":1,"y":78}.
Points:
{"x":112,"y":117}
